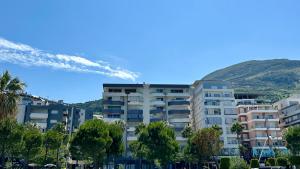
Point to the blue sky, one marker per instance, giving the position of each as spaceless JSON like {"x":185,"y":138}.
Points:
{"x":75,"y":46}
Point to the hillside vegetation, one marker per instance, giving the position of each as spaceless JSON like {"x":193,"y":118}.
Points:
{"x":276,"y":78}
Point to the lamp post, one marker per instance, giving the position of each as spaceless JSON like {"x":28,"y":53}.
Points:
{"x":269,"y":137}
{"x":126,"y":114}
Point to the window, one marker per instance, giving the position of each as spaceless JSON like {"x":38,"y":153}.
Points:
{"x":54,"y":112}
{"x":113,"y":115}
{"x":176,"y":91}
{"x":130,"y":90}
{"x":160,"y":99}
{"x":115,"y":90}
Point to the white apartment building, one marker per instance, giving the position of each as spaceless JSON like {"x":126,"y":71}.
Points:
{"x":145,"y":103}
{"x":289,"y":111}
{"x":213,"y":103}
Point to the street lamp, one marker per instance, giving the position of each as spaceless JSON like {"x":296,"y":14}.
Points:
{"x":126,"y":114}
{"x":269,"y":137}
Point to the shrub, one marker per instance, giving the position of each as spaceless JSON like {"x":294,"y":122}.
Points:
{"x":225,"y":163}
{"x":282,"y":161}
{"x":254,"y":163}
{"x":270,"y":162}
{"x":238,"y":163}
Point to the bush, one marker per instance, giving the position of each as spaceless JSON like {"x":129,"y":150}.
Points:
{"x":282,"y":161}
{"x":254,"y":163}
{"x":238,"y":163}
{"x":295,"y":160}
{"x":270,"y":162}
{"x":225,"y":163}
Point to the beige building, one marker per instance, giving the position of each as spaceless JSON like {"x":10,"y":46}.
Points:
{"x":261,"y":128}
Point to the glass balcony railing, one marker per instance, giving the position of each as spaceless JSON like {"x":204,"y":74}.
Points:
{"x":111,"y":102}
{"x":154,"y":119}
{"x":108,"y":111}
{"x":155,"y":111}
{"x":178,"y":111}
{"x":178,"y":102}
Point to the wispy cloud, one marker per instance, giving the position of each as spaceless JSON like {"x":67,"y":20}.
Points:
{"x":22,"y":54}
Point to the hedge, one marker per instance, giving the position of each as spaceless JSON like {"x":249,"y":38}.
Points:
{"x":225,"y":163}
{"x":254,"y":163}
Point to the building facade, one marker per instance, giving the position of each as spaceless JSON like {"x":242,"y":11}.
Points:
{"x":213,"y":103}
{"x":261,"y":131}
{"x":45,"y":114}
{"x":145,"y":103}
{"x":289,"y":110}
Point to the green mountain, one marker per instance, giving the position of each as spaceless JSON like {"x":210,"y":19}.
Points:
{"x":276,"y":78}
{"x":94,"y":106}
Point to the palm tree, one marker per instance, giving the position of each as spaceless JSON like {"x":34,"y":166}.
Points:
{"x":237,"y":128}
{"x":10,"y":89}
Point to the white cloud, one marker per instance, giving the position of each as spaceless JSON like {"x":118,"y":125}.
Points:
{"x":22,"y":54}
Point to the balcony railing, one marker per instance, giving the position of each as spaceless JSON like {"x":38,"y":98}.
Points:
{"x":111,"y":102}
{"x":154,"y":119}
{"x":135,"y":111}
{"x":155,"y":111}
{"x":178,"y":111}
{"x":108,"y":111}
{"x":181,"y":102}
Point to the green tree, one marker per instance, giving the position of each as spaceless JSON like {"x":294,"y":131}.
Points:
{"x":10,"y":88}
{"x":91,"y":141}
{"x":204,"y":144}
{"x":160,"y":143}
{"x":11,"y":135}
{"x":52,"y":142}
{"x":187,"y":132}
{"x":32,"y":142}
{"x":116,"y":148}
{"x":292,"y":137}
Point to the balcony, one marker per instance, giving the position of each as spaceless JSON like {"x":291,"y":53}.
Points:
{"x":111,"y":102}
{"x":39,"y":115}
{"x":178,"y":102}
{"x":137,"y":103}
{"x":131,"y":138}
{"x":178,"y":94}
{"x":111,"y":94}
{"x":135,"y":94}
{"x":156,"y":111}
{"x":154,"y":119}
{"x":179,"y":112}
{"x":112,"y":111}
{"x":135,"y":115}
{"x":158,"y":103}
{"x":135,"y":111}
{"x":156,"y":94}
{"x":181,"y":120}
{"x":42,"y":125}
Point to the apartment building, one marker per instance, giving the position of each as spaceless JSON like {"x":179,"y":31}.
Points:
{"x":145,"y":103}
{"x":261,"y":133}
{"x":45,"y":113}
{"x":289,"y":111}
{"x":213,"y":103}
